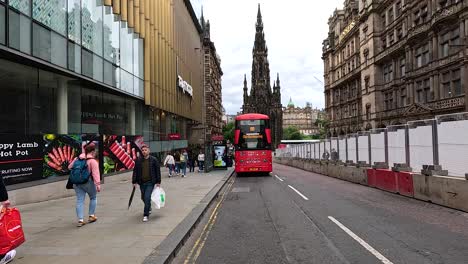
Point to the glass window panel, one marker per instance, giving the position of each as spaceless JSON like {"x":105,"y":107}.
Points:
{"x":16,"y":81}
{"x":20,"y":32}
{"x":74,"y":108}
{"x":52,"y":13}
{"x":97,"y":68}
{"x":2,"y":24}
{"x":74,"y":57}
{"x":87,"y":63}
{"x":41,"y":42}
{"x":74,"y":20}
{"x":92,"y":23}
{"x":24,"y":6}
{"x":111,"y":37}
{"x":126,"y":49}
{"x":59,"y":47}
{"x":126,"y":81}
{"x":136,"y":86}
{"x":111,"y":74}
{"x":138,"y":57}
{"x":43,"y":113}
{"x":141,"y":92}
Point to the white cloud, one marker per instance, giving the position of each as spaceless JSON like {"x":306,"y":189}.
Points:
{"x":294,"y":31}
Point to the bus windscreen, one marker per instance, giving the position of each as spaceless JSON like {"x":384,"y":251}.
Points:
{"x":252,"y":134}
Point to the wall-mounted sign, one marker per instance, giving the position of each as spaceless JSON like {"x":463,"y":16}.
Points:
{"x":186,"y":88}
{"x":217,"y":137}
{"x":173,"y":136}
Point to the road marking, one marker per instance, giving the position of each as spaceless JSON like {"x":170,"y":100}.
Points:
{"x":362,"y":242}
{"x":278,"y":178}
{"x":197,"y":247}
{"x":303,"y":196}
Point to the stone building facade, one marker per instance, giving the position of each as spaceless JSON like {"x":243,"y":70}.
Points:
{"x":389,"y":62}
{"x":212,"y":83}
{"x":304,"y":119}
{"x":261,"y":98}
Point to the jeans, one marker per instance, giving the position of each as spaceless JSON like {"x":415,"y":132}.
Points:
{"x":146,"y":190}
{"x":200,"y":165}
{"x":171,"y":169}
{"x":183,"y":166}
{"x":81,"y":190}
{"x":177,"y":167}
{"x":191,"y":166}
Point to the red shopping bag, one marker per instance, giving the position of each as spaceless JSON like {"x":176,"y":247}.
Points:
{"x":11,"y":230}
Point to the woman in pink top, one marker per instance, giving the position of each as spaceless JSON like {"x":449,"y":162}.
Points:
{"x":91,"y":187}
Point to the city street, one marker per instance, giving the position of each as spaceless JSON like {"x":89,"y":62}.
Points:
{"x":296,"y":216}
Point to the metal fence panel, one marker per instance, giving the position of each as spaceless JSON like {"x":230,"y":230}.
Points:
{"x":453,"y":144}
{"x":396,"y":146}
{"x":352,"y":148}
{"x":342,"y":152}
{"x":420,"y":142}
{"x":334,"y":147}
{"x":378,"y":145}
{"x":363,"y":146}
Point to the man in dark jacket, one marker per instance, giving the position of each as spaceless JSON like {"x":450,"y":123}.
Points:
{"x":146,"y":173}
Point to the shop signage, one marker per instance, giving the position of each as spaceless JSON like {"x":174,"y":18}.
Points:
{"x":186,"y":88}
{"x":174,"y":136}
{"x":217,"y":137}
{"x":20,"y":158}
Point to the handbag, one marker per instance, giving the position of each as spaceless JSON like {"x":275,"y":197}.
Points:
{"x":11,"y":230}
{"x":69,"y":184}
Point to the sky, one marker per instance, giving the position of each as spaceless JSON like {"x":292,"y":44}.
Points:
{"x":294,"y":31}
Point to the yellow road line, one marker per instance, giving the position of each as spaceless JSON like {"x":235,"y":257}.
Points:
{"x":209,"y":223}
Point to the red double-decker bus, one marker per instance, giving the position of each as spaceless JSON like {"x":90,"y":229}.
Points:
{"x":252,"y":141}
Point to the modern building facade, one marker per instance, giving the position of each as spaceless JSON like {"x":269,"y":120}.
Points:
{"x":261,"y":98}
{"x":389,"y":62}
{"x":303,"y":118}
{"x":101,"y":67}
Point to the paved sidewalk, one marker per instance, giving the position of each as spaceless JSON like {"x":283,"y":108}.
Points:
{"x":119,"y":235}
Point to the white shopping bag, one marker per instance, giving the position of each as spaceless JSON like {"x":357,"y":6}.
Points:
{"x":158,"y":196}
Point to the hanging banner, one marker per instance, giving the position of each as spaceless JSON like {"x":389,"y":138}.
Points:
{"x":61,"y":150}
{"x":121,"y":152}
{"x":20,"y":158}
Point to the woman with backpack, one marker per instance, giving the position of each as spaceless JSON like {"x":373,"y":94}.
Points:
{"x":86,"y":160}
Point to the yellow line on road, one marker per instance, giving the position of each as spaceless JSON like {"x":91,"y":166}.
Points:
{"x":209,"y":224}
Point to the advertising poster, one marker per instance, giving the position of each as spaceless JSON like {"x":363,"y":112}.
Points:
{"x":20,"y":158}
{"x":120,"y":152}
{"x":61,"y":150}
{"x":219,"y":160}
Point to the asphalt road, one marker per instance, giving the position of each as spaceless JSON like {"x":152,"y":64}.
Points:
{"x":264,"y":220}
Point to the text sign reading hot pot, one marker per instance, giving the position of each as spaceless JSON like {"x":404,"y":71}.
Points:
{"x":20,"y":158}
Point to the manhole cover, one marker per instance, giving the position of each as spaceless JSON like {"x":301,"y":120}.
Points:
{"x":240,"y":189}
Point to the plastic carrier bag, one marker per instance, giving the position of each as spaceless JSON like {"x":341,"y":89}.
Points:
{"x":158,"y":196}
{"x":11,"y":230}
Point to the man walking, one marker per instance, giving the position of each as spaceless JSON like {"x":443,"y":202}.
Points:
{"x":201,"y":161}
{"x":169,"y":163}
{"x":147,"y":174}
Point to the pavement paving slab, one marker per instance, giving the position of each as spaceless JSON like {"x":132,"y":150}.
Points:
{"x":119,"y":235}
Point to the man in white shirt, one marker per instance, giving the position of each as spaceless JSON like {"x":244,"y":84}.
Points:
{"x":169,"y":162}
{"x":201,"y":161}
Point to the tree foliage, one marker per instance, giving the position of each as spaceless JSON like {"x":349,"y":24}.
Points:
{"x":228,"y":132}
{"x":292,"y":133}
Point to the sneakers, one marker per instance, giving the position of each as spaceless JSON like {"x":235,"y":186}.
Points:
{"x":183,"y":175}
{"x":8,"y":257}
{"x":150,"y":211}
{"x":92,"y":219}
{"x":145,"y":219}
{"x":80,"y":224}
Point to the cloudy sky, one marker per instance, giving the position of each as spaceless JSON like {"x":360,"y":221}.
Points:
{"x":294,"y":31}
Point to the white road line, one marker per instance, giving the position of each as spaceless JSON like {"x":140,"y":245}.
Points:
{"x":303,"y":196}
{"x":278,"y":178}
{"x":360,"y":241}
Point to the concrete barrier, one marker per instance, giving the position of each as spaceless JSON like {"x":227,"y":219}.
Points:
{"x":447,"y":191}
